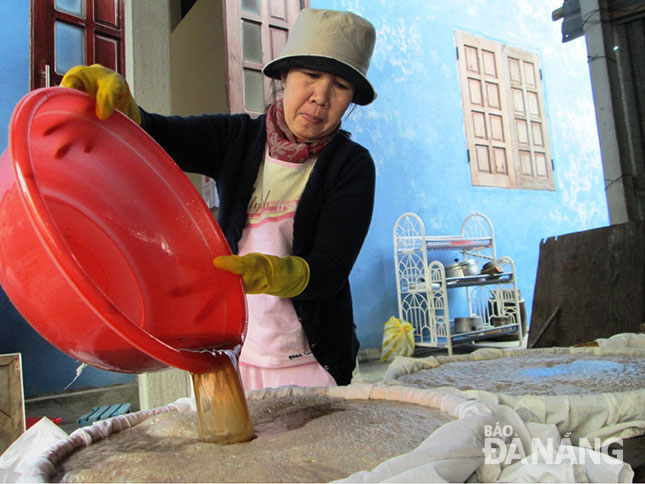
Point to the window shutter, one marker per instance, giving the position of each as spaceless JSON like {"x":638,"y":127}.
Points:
{"x":528,"y":118}
{"x":484,"y":102}
{"x":504,"y":115}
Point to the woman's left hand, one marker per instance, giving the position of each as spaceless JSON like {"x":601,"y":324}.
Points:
{"x":267,"y":274}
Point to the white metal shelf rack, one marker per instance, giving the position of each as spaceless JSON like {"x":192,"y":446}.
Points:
{"x":422,"y":287}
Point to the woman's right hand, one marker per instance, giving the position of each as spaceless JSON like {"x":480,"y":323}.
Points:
{"x":108,"y":87}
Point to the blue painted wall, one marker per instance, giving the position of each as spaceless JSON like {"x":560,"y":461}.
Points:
{"x":14,"y":32}
{"x":46,"y":370}
{"x":415,"y":132}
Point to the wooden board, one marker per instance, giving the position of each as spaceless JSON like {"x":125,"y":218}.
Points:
{"x":589,"y":285}
{"x":12,"y":408}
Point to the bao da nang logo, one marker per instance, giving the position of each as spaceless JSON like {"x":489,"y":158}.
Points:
{"x":503,"y":446}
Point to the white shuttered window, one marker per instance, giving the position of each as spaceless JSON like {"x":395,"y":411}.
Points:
{"x":505,"y":119}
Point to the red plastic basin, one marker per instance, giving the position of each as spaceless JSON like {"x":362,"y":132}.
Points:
{"x":106,"y":247}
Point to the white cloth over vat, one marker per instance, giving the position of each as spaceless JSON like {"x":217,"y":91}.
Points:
{"x":623,"y":340}
{"x":453,"y":453}
{"x":17,"y":459}
{"x":33,"y":456}
{"x":589,"y":416}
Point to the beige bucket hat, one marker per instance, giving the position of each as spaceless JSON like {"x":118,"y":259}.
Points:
{"x":340,"y":43}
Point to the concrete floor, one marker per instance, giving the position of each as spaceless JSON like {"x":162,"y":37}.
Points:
{"x":71,"y":405}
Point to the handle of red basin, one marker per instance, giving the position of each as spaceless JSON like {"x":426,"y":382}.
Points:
{"x":54,"y":244}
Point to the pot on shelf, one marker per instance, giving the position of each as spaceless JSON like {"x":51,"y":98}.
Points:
{"x":464,"y":268}
{"x":500,"y":320}
{"x":466,"y":325}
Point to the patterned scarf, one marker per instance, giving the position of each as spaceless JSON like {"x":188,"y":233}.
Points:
{"x":283,"y":144}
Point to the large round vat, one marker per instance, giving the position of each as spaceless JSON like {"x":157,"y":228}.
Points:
{"x":587,"y":392}
{"x":301,"y":435}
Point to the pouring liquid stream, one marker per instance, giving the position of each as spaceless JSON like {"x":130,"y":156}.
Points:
{"x":222,"y":413}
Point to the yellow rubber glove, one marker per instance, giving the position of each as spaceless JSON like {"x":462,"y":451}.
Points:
{"x":108,"y":87}
{"x":268,"y":274}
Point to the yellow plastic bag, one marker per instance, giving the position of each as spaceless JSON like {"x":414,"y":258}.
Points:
{"x":398,"y":339}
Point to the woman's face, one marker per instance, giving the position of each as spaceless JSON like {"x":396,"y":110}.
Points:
{"x":314,"y":102}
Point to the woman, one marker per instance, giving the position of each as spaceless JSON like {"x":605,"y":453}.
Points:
{"x":296,"y":195}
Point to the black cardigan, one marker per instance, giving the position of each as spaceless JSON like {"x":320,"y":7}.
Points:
{"x":330,"y":224}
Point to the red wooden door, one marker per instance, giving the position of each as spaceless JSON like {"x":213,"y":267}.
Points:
{"x":66,"y":33}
